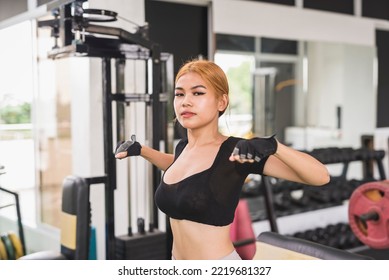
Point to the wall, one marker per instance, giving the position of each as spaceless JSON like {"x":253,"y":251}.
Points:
{"x":17,"y":7}
{"x":340,"y":60}
{"x":342,"y":75}
{"x":260,"y":19}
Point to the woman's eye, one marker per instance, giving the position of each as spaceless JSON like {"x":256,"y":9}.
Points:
{"x":178,"y":94}
{"x":198,"y":93}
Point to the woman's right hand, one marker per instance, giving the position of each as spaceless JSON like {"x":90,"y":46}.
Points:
{"x":127,"y":148}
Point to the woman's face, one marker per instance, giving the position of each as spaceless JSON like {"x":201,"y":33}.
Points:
{"x":195,"y":102}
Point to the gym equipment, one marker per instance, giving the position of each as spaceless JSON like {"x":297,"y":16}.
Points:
{"x":75,"y":222}
{"x":281,"y":202}
{"x":241,"y":231}
{"x":369,"y":214}
{"x":274,"y":246}
{"x":75,"y":35}
{"x":11,"y":239}
{"x":16,"y":244}
{"x":278,"y":194}
{"x":3,"y":251}
{"x":143,"y":245}
{"x":333,"y":235}
{"x":75,"y":218}
{"x":11,"y":247}
{"x":8,"y":246}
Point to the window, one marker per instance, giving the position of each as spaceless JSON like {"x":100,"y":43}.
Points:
{"x":16,"y":128}
{"x":35,"y":137}
{"x":237,"y":120}
{"x":53,"y":128}
{"x":262,"y":77}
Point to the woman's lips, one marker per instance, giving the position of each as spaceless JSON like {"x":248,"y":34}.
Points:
{"x":187,"y":114}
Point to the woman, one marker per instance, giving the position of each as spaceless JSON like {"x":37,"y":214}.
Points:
{"x":201,"y":184}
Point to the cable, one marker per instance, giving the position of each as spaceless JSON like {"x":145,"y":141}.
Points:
{"x":125,"y":19}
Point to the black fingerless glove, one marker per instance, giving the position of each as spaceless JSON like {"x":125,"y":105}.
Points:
{"x":256,"y":148}
{"x":132,"y":147}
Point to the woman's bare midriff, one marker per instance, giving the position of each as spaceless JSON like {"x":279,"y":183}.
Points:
{"x":196,"y":241}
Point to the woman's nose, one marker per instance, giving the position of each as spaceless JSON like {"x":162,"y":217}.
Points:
{"x":187,"y":100}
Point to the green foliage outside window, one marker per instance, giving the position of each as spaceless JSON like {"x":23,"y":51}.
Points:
{"x":15,"y":114}
{"x":240,"y":82}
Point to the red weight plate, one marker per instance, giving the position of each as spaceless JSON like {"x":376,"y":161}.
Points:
{"x":368,"y":198}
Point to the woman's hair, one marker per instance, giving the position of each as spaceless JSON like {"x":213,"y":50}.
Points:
{"x":209,"y":72}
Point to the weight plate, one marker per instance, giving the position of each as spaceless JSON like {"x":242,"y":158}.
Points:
{"x":17,"y":244}
{"x":371,"y":199}
{"x":3,"y":251}
{"x":8,"y":246}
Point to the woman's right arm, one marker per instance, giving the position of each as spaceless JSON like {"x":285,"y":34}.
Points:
{"x":158,"y":158}
{"x":133,"y":148}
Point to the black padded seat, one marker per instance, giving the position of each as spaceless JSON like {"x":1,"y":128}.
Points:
{"x":75,"y":223}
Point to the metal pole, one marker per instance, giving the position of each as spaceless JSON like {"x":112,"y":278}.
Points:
{"x":156,"y":72}
{"x":268,"y":194}
{"x":109,"y":159}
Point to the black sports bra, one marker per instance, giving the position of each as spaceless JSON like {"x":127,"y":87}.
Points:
{"x":210,"y":196}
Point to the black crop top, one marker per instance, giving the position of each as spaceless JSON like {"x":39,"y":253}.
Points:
{"x":210,"y":196}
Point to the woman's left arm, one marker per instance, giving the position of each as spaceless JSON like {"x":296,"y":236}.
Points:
{"x":290,"y":164}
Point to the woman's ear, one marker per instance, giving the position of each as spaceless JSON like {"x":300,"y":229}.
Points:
{"x":223,"y":102}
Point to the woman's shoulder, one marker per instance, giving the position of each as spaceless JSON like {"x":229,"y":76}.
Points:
{"x":233,"y":140}
{"x":180,"y":146}
{"x":182,"y":141}
{"x":230,"y":142}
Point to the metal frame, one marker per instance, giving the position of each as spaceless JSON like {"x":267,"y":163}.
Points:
{"x":72,"y":35}
{"x":18,"y":214}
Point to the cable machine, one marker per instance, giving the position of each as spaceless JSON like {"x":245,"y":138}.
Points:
{"x":75,"y":34}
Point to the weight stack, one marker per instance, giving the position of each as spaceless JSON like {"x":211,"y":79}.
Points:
{"x":142,"y":246}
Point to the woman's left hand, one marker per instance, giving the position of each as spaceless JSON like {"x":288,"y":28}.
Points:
{"x":254,"y":149}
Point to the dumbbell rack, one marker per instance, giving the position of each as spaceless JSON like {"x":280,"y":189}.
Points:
{"x":277,"y":195}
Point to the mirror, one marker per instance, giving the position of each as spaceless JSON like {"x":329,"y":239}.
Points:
{"x":312,"y":94}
